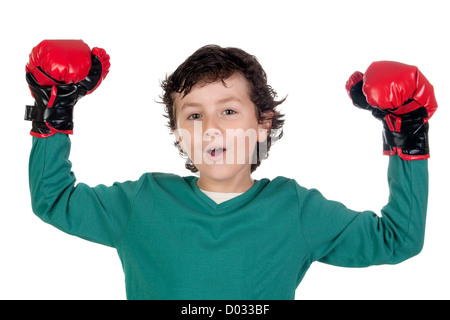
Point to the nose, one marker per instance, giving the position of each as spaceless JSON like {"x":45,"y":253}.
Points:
{"x":212,"y":132}
{"x":212,"y":128}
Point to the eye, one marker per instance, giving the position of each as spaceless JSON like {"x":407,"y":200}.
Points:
{"x":229,"y":112}
{"x":194,"y":116}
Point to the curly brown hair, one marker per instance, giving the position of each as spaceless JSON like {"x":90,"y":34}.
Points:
{"x":213,"y":63}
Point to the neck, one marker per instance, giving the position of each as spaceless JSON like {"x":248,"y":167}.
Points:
{"x":235,"y":185}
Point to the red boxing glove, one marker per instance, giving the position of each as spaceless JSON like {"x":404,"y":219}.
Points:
{"x":398,"y":88}
{"x":54,"y":62}
{"x":59,"y":73}
{"x":402,"y":98}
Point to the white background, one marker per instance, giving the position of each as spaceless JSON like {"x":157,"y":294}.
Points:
{"x":308,"y":49}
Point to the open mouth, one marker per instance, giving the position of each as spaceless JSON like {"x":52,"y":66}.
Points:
{"x":216,"y":152}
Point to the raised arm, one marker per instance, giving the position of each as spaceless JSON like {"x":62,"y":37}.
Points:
{"x":403,"y":99}
{"x":59,"y":73}
{"x":340,"y":236}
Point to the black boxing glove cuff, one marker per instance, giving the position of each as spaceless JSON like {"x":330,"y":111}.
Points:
{"x":47,"y":121}
{"x":410,"y":141}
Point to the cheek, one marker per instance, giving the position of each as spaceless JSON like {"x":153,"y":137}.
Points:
{"x":191,"y":142}
{"x":245,"y":138}
{"x":242,"y":142}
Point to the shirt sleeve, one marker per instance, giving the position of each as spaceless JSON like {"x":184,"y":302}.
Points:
{"x":98,"y":214}
{"x":339,"y":236}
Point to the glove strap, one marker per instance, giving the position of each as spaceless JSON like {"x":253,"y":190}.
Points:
{"x":52,"y":111}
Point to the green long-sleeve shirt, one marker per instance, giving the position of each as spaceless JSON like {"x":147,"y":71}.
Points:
{"x":174,"y":242}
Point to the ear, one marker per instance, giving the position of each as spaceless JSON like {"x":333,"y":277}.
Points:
{"x":178,"y":140}
{"x":265,"y":124}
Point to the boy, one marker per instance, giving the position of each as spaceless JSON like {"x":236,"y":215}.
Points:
{"x":221,"y":234}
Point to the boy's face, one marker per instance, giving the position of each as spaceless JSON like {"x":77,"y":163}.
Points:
{"x":217,"y":126}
